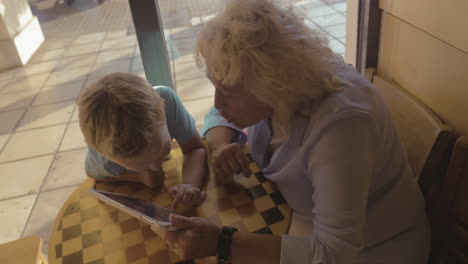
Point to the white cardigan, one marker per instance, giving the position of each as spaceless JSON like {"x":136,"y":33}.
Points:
{"x":345,"y":174}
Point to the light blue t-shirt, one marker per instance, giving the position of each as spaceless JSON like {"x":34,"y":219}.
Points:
{"x":180,"y":123}
{"x":214,"y":119}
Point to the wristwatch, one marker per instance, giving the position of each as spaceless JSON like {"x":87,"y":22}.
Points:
{"x":224,"y":244}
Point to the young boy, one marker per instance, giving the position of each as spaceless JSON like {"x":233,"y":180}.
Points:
{"x":129,"y":125}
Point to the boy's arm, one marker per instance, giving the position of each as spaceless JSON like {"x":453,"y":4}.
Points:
{"x":194,"y":166}
{"x":182,"y":128}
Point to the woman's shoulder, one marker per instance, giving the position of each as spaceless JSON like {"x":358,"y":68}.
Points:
{"x":357,"y":102}
{"x":357,"y":98}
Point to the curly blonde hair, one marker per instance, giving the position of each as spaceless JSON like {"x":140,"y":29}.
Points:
{"x":267,"y":46}
{"x":119,"y":113}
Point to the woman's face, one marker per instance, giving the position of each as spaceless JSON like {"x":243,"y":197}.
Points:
{"x":238,"y":105}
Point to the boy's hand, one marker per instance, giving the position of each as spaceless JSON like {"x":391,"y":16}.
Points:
{"x":186,"y":194}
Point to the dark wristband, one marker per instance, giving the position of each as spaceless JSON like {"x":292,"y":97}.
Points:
{"x":224,"y":244}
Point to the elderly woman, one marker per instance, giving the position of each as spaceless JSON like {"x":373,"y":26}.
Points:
{"x":319,"y":131}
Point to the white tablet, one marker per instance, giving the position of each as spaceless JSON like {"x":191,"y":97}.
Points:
{"x":146,"y":211}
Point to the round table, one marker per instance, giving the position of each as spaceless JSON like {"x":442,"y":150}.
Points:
{"x":89,"y":231}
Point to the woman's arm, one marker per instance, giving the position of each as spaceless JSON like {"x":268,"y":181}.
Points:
{"x":340,"y":158}
{"x":255,"y":248}
{"x":198,"y":237}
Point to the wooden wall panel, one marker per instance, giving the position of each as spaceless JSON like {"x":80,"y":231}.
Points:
{"x":446,"y":20}
{"x":432,"y":70}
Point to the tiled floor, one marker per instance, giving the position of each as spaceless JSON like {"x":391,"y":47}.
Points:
{"x":41,"y":146}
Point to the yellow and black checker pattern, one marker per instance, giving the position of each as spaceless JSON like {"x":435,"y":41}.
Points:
{"x":87,"y":231}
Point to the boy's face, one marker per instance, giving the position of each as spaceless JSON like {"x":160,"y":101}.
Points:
{"x":153,"y":158}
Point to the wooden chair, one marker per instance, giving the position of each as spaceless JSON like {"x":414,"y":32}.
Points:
{"x":428,"y":143}
{"x":26,"y":250}
{"x":450,"y":243}
{"x":427,"y":140}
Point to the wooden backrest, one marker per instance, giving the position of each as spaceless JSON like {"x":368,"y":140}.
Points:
{"x":452,"y":232}
{"x":428,"y":143}
{"x":425,"y":137}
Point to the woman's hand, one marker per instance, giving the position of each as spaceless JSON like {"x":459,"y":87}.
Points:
{"x":186,"y":194}
{"x":229,"y":159}
{"x":196,"y":238}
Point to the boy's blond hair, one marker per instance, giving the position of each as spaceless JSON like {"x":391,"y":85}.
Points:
{"x":118,"y":114}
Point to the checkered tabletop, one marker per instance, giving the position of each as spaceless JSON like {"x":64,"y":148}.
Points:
{"x":89,"y":231}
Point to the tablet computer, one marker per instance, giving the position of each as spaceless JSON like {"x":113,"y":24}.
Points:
{"x":146,"y":211}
